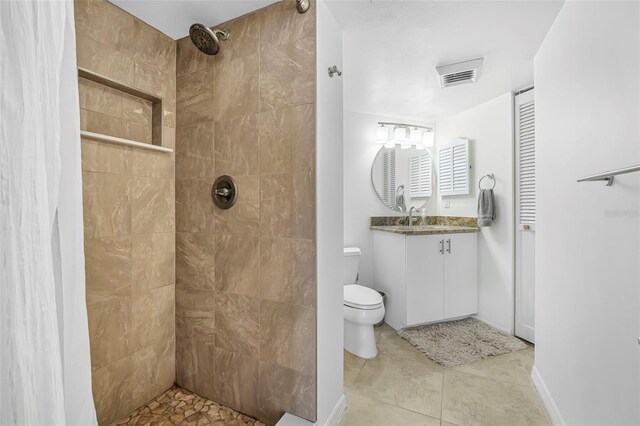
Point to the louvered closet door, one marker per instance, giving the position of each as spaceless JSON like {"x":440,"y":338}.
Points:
{"x":525,"y":214}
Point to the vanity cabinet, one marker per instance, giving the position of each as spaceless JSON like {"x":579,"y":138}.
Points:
{"x":427,"y":278}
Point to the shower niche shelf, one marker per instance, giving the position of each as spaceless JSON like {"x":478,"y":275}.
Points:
{"x":157,"y":114}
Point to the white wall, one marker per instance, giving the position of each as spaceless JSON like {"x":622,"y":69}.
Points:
{"x":360,"y":199}
{"x":489,"y":128}
{"x":587,"y":75}
{"x":329,"y":216}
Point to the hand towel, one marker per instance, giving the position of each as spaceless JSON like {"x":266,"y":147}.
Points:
{"x":486,"y":207}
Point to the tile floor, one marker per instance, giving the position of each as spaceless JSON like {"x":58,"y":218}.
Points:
{"x":178,"y":406}
{"x":402,"y":387}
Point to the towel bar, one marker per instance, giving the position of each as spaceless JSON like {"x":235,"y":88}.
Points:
{"x":608,"y":176}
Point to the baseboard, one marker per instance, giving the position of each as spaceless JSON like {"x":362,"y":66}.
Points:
{"x":504,"y":330}
{"x":549,"y":405}
{"x":338,"y":412}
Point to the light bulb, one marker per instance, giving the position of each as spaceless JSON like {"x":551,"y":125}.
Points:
{"x":400,"y":134}
{"x":383,"y":134}
{"x":428,"y":138}
{"x":416,"y":135}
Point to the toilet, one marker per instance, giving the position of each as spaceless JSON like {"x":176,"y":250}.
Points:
{"x":362,"y":309}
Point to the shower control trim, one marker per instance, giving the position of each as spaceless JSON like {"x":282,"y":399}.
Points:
{"x":224,"y":192}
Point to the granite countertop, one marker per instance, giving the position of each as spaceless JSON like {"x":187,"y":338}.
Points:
{"x":425,"y":229}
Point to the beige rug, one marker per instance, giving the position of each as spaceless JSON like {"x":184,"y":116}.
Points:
{"x":459,"y":342}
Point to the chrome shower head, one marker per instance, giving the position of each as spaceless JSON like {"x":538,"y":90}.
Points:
{"x":206,"y":39}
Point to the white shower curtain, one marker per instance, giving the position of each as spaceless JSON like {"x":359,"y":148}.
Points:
{"x":45,"y":367}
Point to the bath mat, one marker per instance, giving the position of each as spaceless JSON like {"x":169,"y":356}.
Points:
{"x":459,"y":342}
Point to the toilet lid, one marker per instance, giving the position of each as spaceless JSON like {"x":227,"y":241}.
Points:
{"x":358,"y":295}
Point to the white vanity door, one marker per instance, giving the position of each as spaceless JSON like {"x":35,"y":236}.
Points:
{"x":460,"y":275}
{"x":425,"y":278}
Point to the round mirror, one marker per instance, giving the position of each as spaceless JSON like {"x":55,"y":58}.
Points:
{"x":402,"y":178}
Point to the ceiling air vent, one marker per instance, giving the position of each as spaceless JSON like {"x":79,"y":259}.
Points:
{"x":460,"y":73}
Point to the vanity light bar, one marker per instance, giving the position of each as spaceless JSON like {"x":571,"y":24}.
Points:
{"x":408,"y":139}
{"x":405,"y":125}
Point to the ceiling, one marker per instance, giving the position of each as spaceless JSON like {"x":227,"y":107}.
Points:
{"x":391,"y":49}
{"x":174,"y":17}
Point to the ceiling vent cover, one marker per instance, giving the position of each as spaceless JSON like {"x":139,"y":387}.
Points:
{"x":460,"y":73}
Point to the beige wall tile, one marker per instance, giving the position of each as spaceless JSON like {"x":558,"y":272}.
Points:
{"x":244,"y":40}
{"x":104,"y":59}
{"x":283,"y":389}
{"x":107,"y":268}
{"x":237,"y":323}
{"x":280,"y":24}
{"x":101,"y":123}
{"x":112,"y":390}
{"x":191,"y":85}
{"x":150,"y":79}
{"x":152,"y":317}
{"x":195,"y":260}
{"x":153,"y":261}
{"x":194,"y":206}
{"x":110,"y":330}
{"x":287,"y":205}
{"x":129,"y":335}
{"x":101,"y":21}
{"x":237,"y":381}
{"x":136,"y":119}
{"x":196,"y":139}
{"x":152,"y":164}
{"x":195,"y":367}
{"x":198,"y":109}
{"x":153,"y":371}
{"x":236,"y":88}
{"x":152,"y":47}
{"x":244,"y":217}
{"x":189,"y":59}
{"x":236,"y":146}
{"x":195,"y":308}
{"x":237,"y":264}
{"x":105,"y":157}
{"x":99,"y":98}
{"x":152,"y":205}
{"x":287,"y":335}
{"x":107,"y":204}
{"x":287,"y":140}
{"x":191,"y":167}
{"x":286,"y":74}
{"x":267,"y":65}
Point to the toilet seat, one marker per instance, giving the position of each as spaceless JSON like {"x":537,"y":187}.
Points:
{"x":361,"y":297}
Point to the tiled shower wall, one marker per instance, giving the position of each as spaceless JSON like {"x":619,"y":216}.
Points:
{"x":245,"y":277}
{"x":129,"y":214}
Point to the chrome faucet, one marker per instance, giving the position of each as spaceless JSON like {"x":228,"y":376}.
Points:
{"x":411,"y":216}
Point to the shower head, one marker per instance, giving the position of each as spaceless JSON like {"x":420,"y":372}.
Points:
{"x":206,"y":39}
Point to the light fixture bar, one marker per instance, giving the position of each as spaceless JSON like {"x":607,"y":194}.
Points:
{"x":387,"y":123}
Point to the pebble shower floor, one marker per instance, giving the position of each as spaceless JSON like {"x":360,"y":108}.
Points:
{"x":178,"y":406}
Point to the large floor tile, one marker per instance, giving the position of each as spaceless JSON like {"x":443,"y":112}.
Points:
{"x":363,"y":411}
{"x":405,"y":383}
{"x":352,"y":367}
{"x":506,"y":368}
{"x":469,"y":399}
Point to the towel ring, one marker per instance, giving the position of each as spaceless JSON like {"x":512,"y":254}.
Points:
{"x":490,"y":176}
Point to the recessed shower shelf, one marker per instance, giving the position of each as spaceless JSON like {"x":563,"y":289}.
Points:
{"x":121,"y":141}
{"x":157,"y":114}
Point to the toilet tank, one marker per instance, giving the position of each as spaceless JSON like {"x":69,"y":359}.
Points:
{"x":351,"y":260}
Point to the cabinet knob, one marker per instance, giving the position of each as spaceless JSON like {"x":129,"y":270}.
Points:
{"x":441,"y":246}
{"x":449,"y":246}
